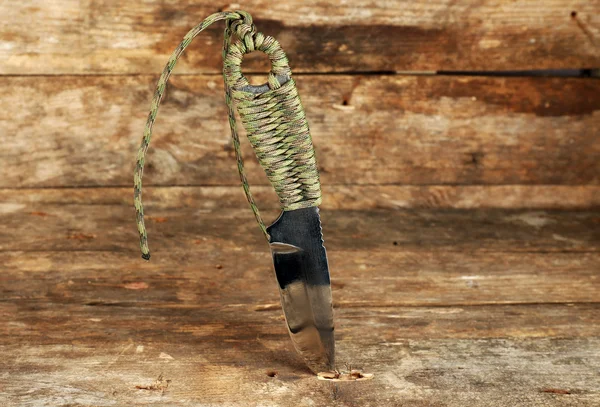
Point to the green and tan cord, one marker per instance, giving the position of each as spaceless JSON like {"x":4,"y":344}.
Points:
{"x":274,"y":120}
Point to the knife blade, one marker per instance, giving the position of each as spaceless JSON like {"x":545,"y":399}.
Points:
{"x":302,"y":271}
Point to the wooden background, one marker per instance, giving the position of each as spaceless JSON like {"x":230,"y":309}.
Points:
{"x":461,"y":206}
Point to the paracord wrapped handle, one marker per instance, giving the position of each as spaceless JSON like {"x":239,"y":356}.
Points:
{"x":272,"y":115}
{"x":276,"y":125}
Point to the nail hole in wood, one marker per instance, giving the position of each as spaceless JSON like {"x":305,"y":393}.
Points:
{"x":271,"y":373}
{"x":475,"y":158}
{"x":395,"y":243}
{"x":573,"y":14}
{"x":345,"y":102}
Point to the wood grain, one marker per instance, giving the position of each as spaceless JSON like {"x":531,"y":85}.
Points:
{"x":52,"y":240}
{"x":82,"y":131}
{"x":69,"y":36}
{"x":99,"y":355}
{"x":437,"y":373}
{"x":91,"y":226}
{"x":200,"y":278}
{"x":467,"y":306}
{"x":353,"y":197}
{"x":437,"y":326}
{"x":460,"y":213}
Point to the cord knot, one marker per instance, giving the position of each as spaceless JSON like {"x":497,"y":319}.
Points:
{"x":244,"y":28}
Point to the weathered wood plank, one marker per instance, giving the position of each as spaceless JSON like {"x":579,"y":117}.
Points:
{"x":93,"y":326}
{"x":71,"y":36}
{"x":49,"y":322}
{"x":90,"y":226}
{"x":75,"y":131}
{"x":353,"y":197}
{"x":86,"y":355}
{"x":201,"y":278}
{"x":439,"y":322}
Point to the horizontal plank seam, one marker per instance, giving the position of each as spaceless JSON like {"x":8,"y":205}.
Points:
{"x":467,"y":304}
{"x":384,"y":184}
{"x":400,"y":249}
{"x":547,"y":73}
{"x":276,"y":307}
{"x":567,"y":73}
{"x":220,"y":74}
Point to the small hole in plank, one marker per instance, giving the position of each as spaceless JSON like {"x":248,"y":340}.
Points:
{"x":271,"y":373}
{"x":345,"y":102}
{"x":395,"y":243}
{"x":573,"y":14}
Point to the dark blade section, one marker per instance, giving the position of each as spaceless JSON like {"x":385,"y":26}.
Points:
{"x":303,"y":275}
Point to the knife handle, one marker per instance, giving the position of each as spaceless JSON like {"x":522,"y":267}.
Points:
{"x":274,"y":119}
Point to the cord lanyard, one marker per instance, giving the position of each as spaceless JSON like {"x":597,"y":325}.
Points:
{"x":272,"y":115}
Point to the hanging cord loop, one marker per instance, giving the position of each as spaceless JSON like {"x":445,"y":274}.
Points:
{"x":272,"y":115}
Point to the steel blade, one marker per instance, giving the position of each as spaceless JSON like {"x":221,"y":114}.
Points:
{"x":302,"y":272}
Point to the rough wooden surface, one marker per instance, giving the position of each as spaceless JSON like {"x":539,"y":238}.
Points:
{"x":446,"y":307}
{"x":234,"y":370}
{"x":97,"y":226}
{"x":354,"y":197}
{"x":505,"y":245}
{"x":205,"y":279}
{"x":460,"y":212}
{"x":226,"y":357}
{"x":78,"y":131}
{"x":69,"y":36}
